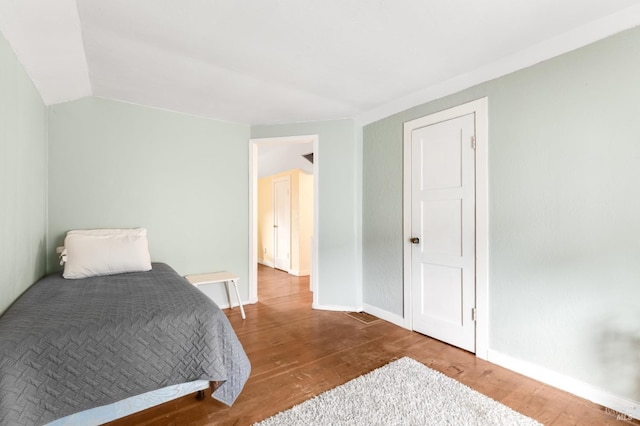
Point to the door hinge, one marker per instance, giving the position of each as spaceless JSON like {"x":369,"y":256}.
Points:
{"x":473,"y":142}
{"x":474,"y":314}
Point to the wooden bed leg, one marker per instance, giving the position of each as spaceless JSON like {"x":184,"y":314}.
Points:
{"x":212,"y":385}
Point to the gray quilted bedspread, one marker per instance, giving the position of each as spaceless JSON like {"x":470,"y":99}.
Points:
{"x":70,"y":345}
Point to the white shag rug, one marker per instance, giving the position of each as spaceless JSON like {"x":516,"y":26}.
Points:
{"x":404,"y":392}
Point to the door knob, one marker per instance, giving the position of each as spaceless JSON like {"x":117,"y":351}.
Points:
{"x":415,"y":240}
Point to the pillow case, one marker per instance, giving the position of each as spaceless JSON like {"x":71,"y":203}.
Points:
{"x":95,"y":252}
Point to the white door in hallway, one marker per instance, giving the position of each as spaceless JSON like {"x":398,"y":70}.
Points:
{"x":282,"y":223}
{"x":443,"y":230}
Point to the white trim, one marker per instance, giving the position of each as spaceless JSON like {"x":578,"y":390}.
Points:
{"x":253,"y":203}
{"x":227,"y":306}
{"x":384,"y":315}
{"x":337,"y":308}
{"x":253,"y":220}
{"x":300,"y":273}
{"x":266,"y":263}
{"x":571,"y":40}
{"x":577,"y":387}
{"x":406,"y":228}
{"x":480,"y":108}
{"x":314,"y":279}
{"x":482,"y":227}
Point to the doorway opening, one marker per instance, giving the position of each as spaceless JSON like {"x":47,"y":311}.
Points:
{"x":302,"y":258}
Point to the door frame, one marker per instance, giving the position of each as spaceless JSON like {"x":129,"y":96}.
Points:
{"x":478,"y":107}
{"x":254,"y":143}
{"x":275,"y":233}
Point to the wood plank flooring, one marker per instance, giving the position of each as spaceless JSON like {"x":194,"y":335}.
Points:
{"x":297,"y":353}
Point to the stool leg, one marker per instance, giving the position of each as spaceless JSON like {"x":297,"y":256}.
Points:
{"x":235,"y":284}
{"x":226,"y":287}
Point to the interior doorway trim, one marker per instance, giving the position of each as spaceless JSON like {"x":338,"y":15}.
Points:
{"x":480,"y":108}
{"x":254,"y":144}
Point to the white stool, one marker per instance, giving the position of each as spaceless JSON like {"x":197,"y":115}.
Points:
{"x":219,"y":277}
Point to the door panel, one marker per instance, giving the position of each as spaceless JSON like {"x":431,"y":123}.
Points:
{"x":442,"y":293}
{"x":442,"y":227}
{"x":443,"y":217}
{"x":440,"y":160}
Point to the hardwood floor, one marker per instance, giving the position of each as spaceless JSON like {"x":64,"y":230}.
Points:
{"x":297,"y":353}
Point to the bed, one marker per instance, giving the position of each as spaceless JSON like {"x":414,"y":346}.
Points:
{"x":69,"y":345}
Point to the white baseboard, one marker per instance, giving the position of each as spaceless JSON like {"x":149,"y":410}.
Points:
{"x":619,"y":406}
{"x":385,"y":315}
{"x":339,"y":308}
{"x":382,"y":314}
{"x":300,"y":273}
{"x":235,"y":305}
{"x":265,"y":263}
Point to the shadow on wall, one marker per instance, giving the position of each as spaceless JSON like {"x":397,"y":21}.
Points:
{"x":619,"y":345}
{"x":41,"y":260}
{"x":53,"y":259}
{"x":23,"y":282}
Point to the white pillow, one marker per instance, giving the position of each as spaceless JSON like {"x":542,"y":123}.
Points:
{"x":94,"y":252}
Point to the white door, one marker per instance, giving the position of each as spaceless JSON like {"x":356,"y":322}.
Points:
{"x":282,"y":224}
{"x":443,"y":230}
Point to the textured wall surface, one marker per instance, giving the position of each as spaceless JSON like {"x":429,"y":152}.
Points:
{"x":184,"y":178}
{"x":23,"y":156}
{"x":338,"y":199}
{"x":564,"y":162}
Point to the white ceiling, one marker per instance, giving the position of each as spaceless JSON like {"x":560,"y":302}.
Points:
{"x":277,"y":158}
{"x":275,"y":61}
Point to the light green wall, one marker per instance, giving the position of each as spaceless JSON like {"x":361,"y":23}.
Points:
{"x":338,"y":206}
{"x":564,"y":165}
{"x":22,"y":179}
{"x":184,"y":178}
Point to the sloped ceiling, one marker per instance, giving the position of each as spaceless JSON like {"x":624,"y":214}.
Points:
{"x":275,"y":61}
{"x":273,"y":159}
